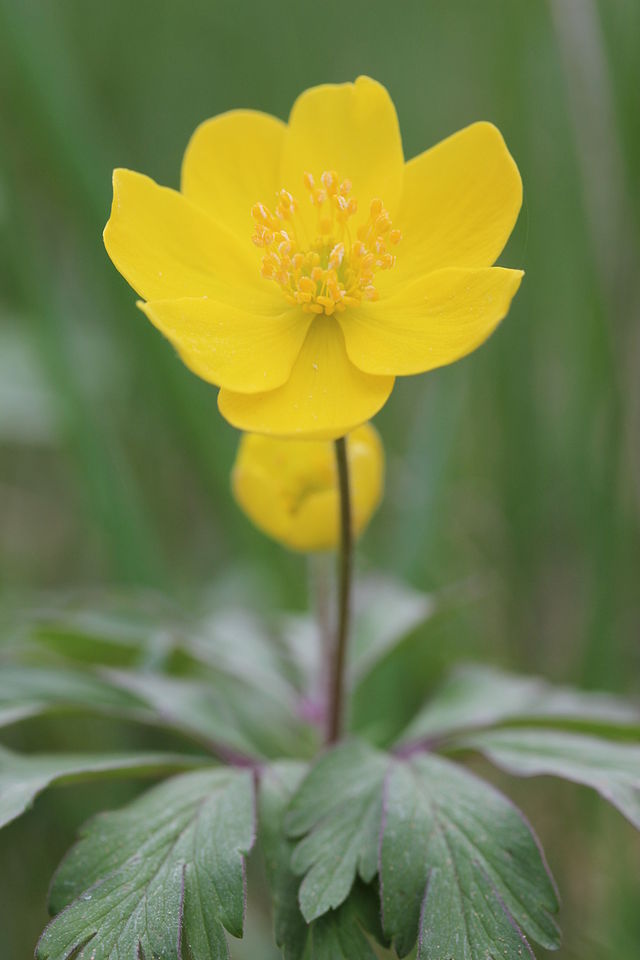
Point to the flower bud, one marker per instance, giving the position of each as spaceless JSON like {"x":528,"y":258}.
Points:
{"x":289,"y":488}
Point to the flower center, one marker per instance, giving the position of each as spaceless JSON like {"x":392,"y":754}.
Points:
{"x":332,"y":270}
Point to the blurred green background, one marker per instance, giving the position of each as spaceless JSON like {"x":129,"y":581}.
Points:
{"x":515,"y":472}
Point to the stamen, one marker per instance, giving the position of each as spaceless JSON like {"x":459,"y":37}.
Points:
{"x":333,"y":272}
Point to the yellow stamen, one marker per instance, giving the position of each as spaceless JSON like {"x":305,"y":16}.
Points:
{"x":331,"y":273}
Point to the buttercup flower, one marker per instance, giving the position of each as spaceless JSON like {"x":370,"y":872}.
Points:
{"x":289,"y":488}
{"x":303,"y":266}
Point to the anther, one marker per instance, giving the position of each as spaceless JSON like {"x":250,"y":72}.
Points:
{"x":260,"y":213}
{"x":329,"y":178}
{"x":307,"y":285}
{"x":334,"y":272}
{"x":336,"y":256}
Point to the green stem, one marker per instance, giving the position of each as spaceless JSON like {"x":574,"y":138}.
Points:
{"x":345,"y":562}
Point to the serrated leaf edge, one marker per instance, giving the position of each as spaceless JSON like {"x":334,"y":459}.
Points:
{"x":86,"y":827}
{"x":486,"y":784}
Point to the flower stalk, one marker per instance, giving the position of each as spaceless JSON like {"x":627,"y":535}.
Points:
{"x":337,"y":665}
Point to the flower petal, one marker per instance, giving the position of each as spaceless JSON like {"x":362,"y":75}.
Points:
{"x":325,"y":397}
{"x":289,"y":488}
{"x":165,"y":247}
{"x":231,"y":163}
{"x":460,"y":202}
{"x":351,"y":128}
{"x":229,"y":347}
{"x":317,"y":526}
{"x":437,"y":320}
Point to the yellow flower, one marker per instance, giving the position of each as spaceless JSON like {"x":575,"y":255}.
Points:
{"x":303,"y":266}
{"x":289,"y":488}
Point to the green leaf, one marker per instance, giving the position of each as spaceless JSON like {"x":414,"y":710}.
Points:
{"x":226,"y":716}
{"x":339,"y":933}
{"x":363,"y":904}
{"x":22,"y":777}
{"x":278,"y":783}
{"x":237,"y":642}
{"x":476,"y":697}
{"x":337,"y":811}
{"x":161,"y":878}
{"x":118,"y":633}
{"x":189,"y":706}
{"x":613,"y":769}
{"x":145,"y":631}
{"x":224,"y":713}
{"x":385,"y":612}
{"x":300,"y":635}
{"x":461,"y":870}
{"x":33,"y":691}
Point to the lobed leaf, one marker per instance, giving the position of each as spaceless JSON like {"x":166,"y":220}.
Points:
{"x":186,"y":705}
{"x":237,"y":642}
{"x":221,"y":679}
{"x":226,"y":714}
{"x":461,"y":870}
{"x":339,"y":934}
{"x":337,"y":811}
{"x":278,"y":783}
{"x":385,"y":612}
{"x":104,"y":635}
{"x":613,"y":769}
{"x":33,"y":691}
{"x":23,"y":778}
{"x":229,"y":640}
{"x":475,"y":697}
{"x":164,"y":877}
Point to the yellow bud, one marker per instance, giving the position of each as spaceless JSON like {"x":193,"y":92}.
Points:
{"x":289,"y":488}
